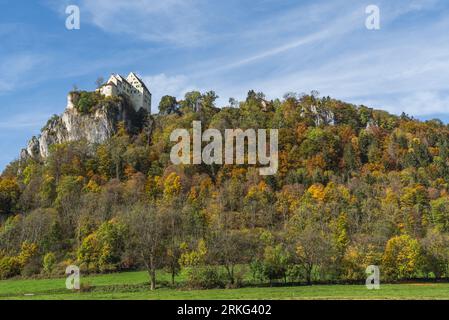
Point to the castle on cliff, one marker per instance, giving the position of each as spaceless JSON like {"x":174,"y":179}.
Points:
{"x":132,"y":87}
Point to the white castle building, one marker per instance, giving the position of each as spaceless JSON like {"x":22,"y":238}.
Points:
{"x":132,"y":87}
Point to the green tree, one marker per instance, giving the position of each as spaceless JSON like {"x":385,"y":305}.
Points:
{"x":147,"y":238}
{"x":440,"y":213}
{"x":435,"y":247}
{"x":9,"y":195}
{"x":402,"y":257}
{"x":168,"y":105}
{"x":49,"y":262}
{"x":103,"y":249}
{"x":117,"y":148}
{"x":191,"y":100}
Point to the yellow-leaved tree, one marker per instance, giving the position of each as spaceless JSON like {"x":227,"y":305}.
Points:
{"x":401,"y":258}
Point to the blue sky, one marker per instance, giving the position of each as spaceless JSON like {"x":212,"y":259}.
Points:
{"x":274,"y":46}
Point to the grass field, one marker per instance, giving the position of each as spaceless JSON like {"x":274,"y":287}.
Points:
{"x":133,"y":285}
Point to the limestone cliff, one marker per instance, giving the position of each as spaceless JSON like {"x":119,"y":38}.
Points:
{"x":94,"y":127}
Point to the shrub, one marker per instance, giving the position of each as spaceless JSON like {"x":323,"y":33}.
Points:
{"x":204,"y":277}
{"x":256,"y":267}
{"x":85,"y":101}
{"x":295,"y":273}
{"x":49,"y":262}
{"x":27,"y":252}
{"x":275,"y":263}
{"x":9,"y":267}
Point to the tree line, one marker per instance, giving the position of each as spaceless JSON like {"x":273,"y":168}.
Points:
{"x":355,"y":187}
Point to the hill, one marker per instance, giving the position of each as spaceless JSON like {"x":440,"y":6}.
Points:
{"x":355,"y":187}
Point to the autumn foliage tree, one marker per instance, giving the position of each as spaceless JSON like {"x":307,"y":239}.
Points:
{"x":355,"y":187}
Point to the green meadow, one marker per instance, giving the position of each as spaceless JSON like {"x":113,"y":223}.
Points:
{"x":134,"y":285}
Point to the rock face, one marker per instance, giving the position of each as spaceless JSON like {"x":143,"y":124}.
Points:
{"x":72,"y":125}
{"x":320,"y":115}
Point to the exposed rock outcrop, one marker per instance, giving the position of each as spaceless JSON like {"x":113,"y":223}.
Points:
{"x":320,"y":115}
{"x":94,"y":127}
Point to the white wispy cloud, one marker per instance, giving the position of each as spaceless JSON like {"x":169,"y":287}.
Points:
{"x":161,"y":85}
{"x":317,"y":45}
{"x":399,"y":68}
{"x":274,"y":46}
{"x":173,"y":21}
{"x":341,"y":25}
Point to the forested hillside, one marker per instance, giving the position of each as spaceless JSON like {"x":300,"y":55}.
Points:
{"x":355,"y":187}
